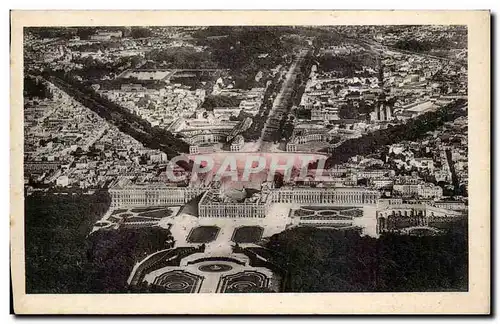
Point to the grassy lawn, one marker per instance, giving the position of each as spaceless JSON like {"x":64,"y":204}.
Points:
{"x":203,"y":234}
{"x":353,"y":212}
{"x":144,"y":209}
{"x":247,"y":234}
{"x":157,"y":213}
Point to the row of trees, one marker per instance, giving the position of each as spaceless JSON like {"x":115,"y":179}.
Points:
{"x":412,"y":130}
{"x":127,"y":122}
{"x":240,"y":47}
{"x":259,"y":120}
{"x":423,"y":46}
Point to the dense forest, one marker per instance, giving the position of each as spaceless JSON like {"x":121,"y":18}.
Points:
{"x":127,"y":122}
{"x":112,"y":254}
{"x":246,"y":50}
{"x":422,"y":46}
{"x":182,"y":58}
{"x":62,"y":258}
{"x":212,"y":101}
{"x":140,"y":32}
{"x":346,"y":65}
{"x":56,"y":227}
{"x":56,"y":32}
{"x":412,"y":130}
{"x":287,"y":123}
{"x":322,"y":260}
{"x":323,"y":38}
{"x":414,"y":45}
{"x":84,"y":33}
{"x":34,"y":88}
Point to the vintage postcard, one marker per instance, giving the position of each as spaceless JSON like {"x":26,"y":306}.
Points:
{"x":246,"y":162}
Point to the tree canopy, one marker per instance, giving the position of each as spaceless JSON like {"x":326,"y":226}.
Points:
{"x":127,"y":122}
{"x":212,"y":101}
{"x":323,"y":260}
{"x":61,"y":257}
{"x":34,"y":88}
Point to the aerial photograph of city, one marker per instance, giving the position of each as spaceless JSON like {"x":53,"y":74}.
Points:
{"x":245,"y":159}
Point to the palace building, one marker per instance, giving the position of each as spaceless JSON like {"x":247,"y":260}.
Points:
{"x":124,"y":194}
{"x":216,"y":202}
{"x":234,"y":203}
{"x":326,"y":195}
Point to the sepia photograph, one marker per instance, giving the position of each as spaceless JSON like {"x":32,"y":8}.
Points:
{"x":251,"y":161}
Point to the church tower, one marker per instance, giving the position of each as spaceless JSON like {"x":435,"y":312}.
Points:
{"x":388,"y":113}
{"x":383,"y":111}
